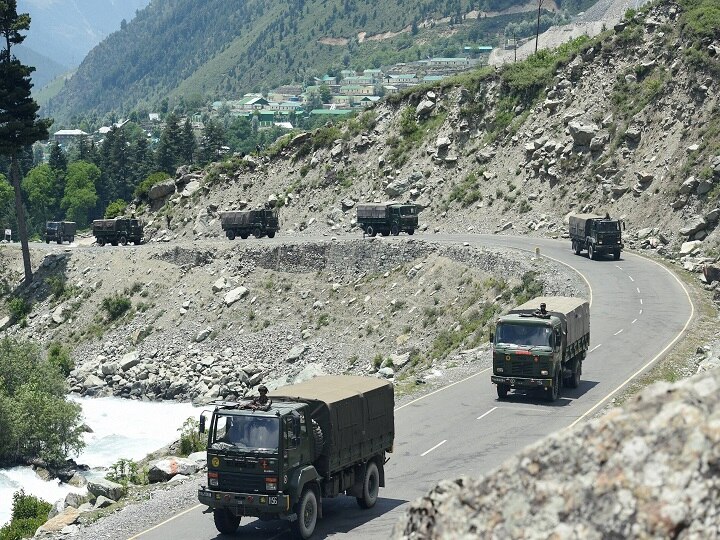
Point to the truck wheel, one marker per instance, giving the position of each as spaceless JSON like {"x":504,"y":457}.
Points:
{"x":244,"y":236}
{"x":616,"y":255}
{"x":502,"y":391}
{"x":101,"y":242}
{"x":257,"y":233}
{"x":271,"y":234}
{"x":230,"y":234}
{"x":554,"y":392}
{"x":574,"y":380}
{"x":591,"y":252}
{"x":385,"y":232}
{"x":307,"y":513}
{"x":577,"y":247}
{"x":123,"y":241}
{"x":59,"y":240}
{"x":370,"y":231}
{"x":371,"y":486}
{"x":47,"y":240}
{"x":225,"y":521}
{"x":72,"y":239}
{"x":411,"y":231}
{"x":395,"y":230}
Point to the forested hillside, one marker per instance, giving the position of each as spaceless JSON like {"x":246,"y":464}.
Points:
{"x":181,"y":49}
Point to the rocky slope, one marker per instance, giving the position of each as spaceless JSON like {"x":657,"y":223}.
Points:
{"x":213,"y":319}
{"x":628,"y":125}
{"x":649,"y":470}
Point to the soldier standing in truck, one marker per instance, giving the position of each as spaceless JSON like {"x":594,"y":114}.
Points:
{"x":261,"y":402}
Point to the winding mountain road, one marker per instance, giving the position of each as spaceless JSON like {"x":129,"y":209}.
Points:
{"x":639,"y":309}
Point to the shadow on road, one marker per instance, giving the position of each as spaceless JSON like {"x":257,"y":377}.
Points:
{"x":340,"y":515}
{"x":537,"y":397}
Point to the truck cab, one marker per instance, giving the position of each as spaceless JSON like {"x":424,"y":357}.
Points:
{"x":597,"y":234}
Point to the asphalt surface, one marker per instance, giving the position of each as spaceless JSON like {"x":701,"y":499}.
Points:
{"x":638,"y":310}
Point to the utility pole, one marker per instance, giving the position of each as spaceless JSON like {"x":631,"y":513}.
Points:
{"x":515,"y":45}
{"x":537,"y":28}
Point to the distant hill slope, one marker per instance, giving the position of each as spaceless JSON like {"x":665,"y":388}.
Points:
{"x":216,"y":48}
{"x":46,"y":69}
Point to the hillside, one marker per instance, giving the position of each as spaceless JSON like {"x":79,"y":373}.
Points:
{"x":216,"y":50}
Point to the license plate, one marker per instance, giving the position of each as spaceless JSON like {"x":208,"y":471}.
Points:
{"x":273,"y":500}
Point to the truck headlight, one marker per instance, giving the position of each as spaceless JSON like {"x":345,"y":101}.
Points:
{"x":500,"y":370}
{"x":543,"y":372}
{"x":271,"y":484}
{"x":600,"y":242}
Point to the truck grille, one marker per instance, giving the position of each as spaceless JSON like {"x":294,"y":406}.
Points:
{"x":241,"y":482}
{"x":522,"y":369}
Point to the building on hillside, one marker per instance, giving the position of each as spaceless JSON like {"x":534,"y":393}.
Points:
{"x":358,"y":81}
{"x":433,"y":78}
{"x":390,"y":89}
{"x":253,"y":103}
{"x":356,"y":90}
{"x":154,"y":117}
{"x":288,"y":90}
{"x":477,"y":50}
{"x":402,"y":79}
{"x":66,"y":136}
{"x":449,"y":62}
{"x":325,"y":79}
{"x":347,"y":73}
{"x":331,"y":112}
{"x":295,"y":106}
{"x":375,"y":74}
{"x":367,"y":101}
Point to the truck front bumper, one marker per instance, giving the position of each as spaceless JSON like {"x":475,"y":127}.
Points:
{"x":522,"y":382}
{"x":245,"y":504}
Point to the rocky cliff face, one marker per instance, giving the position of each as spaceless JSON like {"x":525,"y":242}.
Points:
{"x":649,"y":470}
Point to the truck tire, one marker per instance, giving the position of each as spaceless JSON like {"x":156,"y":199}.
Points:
{"x":123,"y":241}
{"x":225,"y":521}
{"x":271,"y":234}
{"x":411,"y":231}
{"x":72,"y":239}
{"x":385,"y":232}
{"x":577,"y":248}
{"x":230,"y":234}
{"x":502,"y":390}
{"x":101,"y":242}
{"x":114,"y":242}
{"x":307,"y":514}
{"x":395,"y":230}
{"x":554,"y":392}
{"x":370,"y":231}
{"x":318,"y":440}
{"x":47,"y":240}
{"x":59,"y":239}
{"x":257,"y":233}
{"x":574,"y":380}
{"x":371,"y":486}
{"x":616,"y":255}
{"x":591,"y":252}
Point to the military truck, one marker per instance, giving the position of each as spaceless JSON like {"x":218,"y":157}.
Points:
{"x":597,"y":234}
{"x":243,"y":223}
{"x":60,"y":231}
{"x":319,"y":438}
{"x":541,"y":344}
{"x":387,"y":218}
{"x":117,"y":231}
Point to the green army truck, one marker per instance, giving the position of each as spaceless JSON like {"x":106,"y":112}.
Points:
{"x":597,"y":234}
{"x":319,"y":438}
{"x":243,"y":223}
{"x":59,"y":231}
{"x":541,"y":344}
{"x":387,"y":218}
{"x":117,"y":231}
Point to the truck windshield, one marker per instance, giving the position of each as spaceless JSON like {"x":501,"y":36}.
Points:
{"x":52,"y":226}
{"x":607,"y":226}
{"x":247,"y":433}
{"x":521,"y":334}
{"x":407,"y":210}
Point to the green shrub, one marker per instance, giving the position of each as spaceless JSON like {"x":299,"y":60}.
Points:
{"x":19,"y":308}
{"x":127,"y":471}
{"x":28,"y":513}
{"x":59,"y":356}
{"x":57,"y":285}
{"x":116,"y":209}
{"x":116,"y":306}
{"x":191,"y":440}
{"x":528,"y":288}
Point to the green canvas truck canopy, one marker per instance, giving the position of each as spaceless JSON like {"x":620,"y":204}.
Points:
{"x":575,"y":312}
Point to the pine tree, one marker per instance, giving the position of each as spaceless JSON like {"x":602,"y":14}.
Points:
{"x":20,"y":126}
{"x":58,"y":160}
{"x":168,"y":151}
{"x":188,"y":144}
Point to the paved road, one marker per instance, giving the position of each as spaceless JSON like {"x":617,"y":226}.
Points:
{"x":638,"y":310}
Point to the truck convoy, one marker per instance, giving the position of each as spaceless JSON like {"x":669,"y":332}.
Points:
{"x":318,"y":438}
{"x":541,"y":344}
{"x":60,"y":231}
{"x":243,"y":223}
{"x":598,"y":235}
{"x":119,"y":230}
{"x":387,"y":218}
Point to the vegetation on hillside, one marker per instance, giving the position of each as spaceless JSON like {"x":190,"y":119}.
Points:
{"x":35,"y":418}
{"x":28,"y":513}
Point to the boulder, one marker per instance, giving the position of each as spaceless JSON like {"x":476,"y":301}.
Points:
{"x":58,"y":315}
{"x":93,"y":381}
{"x":645,"y":177}
{"x":310,"y":371}
{"x":220,"y":285}
{"x":165,"y":469}
{"x":347,"y":203}
{"x":689,"y":185}
{"x":200,"y":458}
{"x":161,"y":190}
{"x":693,"y":226}
{"x":713,"y":215}
{"x":688,"y":248}
{"x":75,"y":499}
{"x":130,"y":360}
{"x":711,"y":273}
{"x":386,"y":372}
{"x":442,"y":143}
{"x":190,"y":188}
{"x":633,"y":134}
{"x":106,"y":488}
{"x":397,"y":188}
{"x":704,"y":187}
{"x":5,"y":322}
{"x":203,"y":335}
{"x":424,"y":108}
{"x":234,"y":295}
{"x":102,"y":502}
{"x":581,"y":133}
{"x":400,"y":360}
{"x":67,"y":517}
{"x":599,"y":141}
{"x":296,"y":353}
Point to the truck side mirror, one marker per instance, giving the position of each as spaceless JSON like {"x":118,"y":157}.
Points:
{"x":492,"y":337}
{"x":623,"y":223}
{"x":202,"y":424}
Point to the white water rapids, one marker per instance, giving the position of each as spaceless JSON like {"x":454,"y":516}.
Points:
{"x":121,"y":429}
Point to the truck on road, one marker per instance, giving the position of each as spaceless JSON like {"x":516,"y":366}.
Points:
{"x":319,"y":438}
{"x":597,"y":234}
{"x":387,"y":218}
{"x":243,"y":223}
{"x":117,"y":231}
{"x":60,"y":231}
{"x":541,"y":344}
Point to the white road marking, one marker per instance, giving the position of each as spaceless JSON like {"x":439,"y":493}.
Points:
{"x":438,"y":445}
{"x":640,"y":312}
{"x":637,"y":289}
{"x":618,"y":332}
{"x":620,"y":267}
{"x":641,"y":303}
{"x":485,"y":414}
{"x":631,"y":278}
{"x":634,"y":321}
{"x":596,"y":347}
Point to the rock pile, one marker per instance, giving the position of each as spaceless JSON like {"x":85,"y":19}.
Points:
{"x":649,"y":470}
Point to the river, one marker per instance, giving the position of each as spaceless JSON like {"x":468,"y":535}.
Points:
{"x":121,"y":429}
